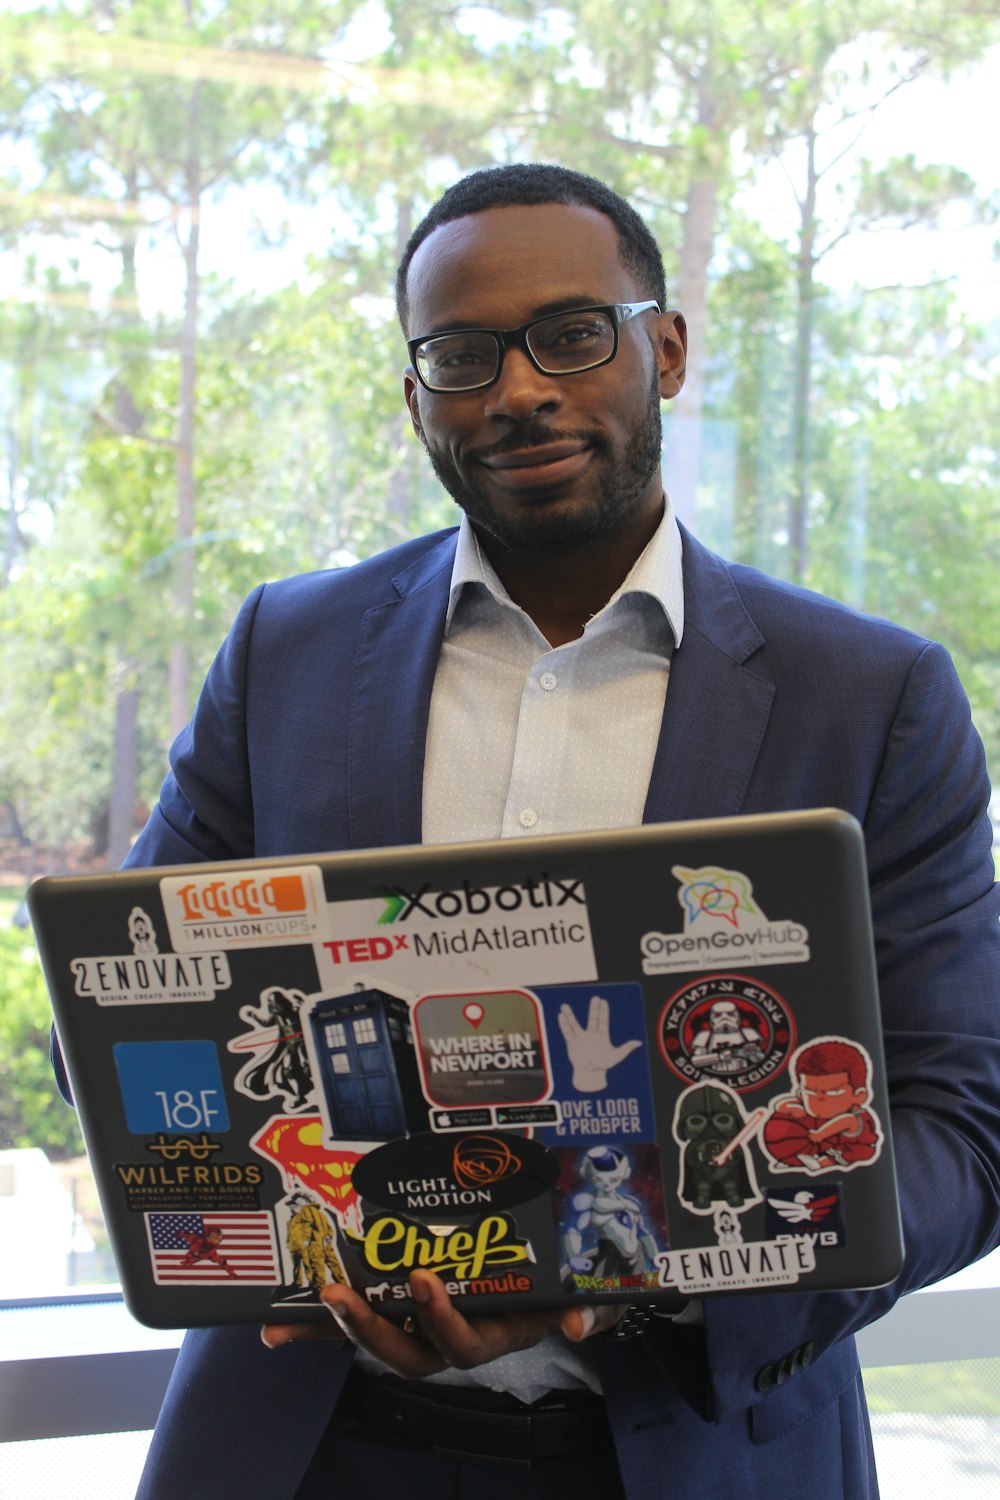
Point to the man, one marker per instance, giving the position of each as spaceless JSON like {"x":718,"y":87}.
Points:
{"x":570,"y":660}
{"x":825,"y":1122}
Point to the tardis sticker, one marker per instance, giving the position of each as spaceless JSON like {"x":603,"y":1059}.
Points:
{"x":362,"y":1050}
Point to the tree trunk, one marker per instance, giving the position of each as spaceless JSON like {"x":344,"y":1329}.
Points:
{"x":798,"y":507}
{"x":180,"y":665}
{"x":121,"y":803}
{"x":684,"y":432}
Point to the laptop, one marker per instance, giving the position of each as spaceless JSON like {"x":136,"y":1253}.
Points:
{"x":635,"y":1066}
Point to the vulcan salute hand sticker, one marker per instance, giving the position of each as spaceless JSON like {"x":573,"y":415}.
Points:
{"x":591,"y":1052}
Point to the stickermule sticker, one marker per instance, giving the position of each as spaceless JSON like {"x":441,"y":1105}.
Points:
{"x":722,"y":923}
{"x":146,"y":976}
{"x":536,"y":927}
{"x":243,"y":909}
{"x":726,"y":1027}
{"x":724,"y":1268}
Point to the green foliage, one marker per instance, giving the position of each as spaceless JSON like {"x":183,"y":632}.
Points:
{"x":32,"y":1112}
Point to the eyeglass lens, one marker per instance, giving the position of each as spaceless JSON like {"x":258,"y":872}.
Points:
{"x":560,"y":345}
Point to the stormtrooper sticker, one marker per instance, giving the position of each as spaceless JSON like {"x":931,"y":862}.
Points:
{"x":726,"y":1028}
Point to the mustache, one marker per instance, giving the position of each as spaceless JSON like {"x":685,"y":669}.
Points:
{"x":533,"y":435}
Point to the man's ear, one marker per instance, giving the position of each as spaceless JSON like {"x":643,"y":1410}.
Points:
{"x":671,"y":352}
{"x":411,"y":390}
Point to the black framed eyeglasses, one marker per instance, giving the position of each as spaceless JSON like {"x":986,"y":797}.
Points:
{"x":566,"y":343}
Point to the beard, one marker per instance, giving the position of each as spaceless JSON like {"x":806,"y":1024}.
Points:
{"x":542,"y":526}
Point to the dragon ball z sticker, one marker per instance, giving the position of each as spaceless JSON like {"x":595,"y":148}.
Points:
{"x":726,"y":1028}
{"x":827,"y":1123}
{"x":722,"y":923}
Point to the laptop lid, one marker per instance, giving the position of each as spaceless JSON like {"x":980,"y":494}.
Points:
{"x":636,"y":1066}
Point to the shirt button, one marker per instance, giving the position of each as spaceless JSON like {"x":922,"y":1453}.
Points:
{"x":527,"y":817}
{"x":548,"y":681}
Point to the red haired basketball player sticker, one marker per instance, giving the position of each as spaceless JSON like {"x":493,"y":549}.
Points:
{"x":726,"y":1029}
{"x":827,"y":1124}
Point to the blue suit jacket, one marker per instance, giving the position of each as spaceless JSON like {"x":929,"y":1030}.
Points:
{"x":309,"y":736}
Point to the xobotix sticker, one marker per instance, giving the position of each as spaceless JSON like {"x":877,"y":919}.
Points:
{"x":722,"y":924}
{"x":146,"y":976}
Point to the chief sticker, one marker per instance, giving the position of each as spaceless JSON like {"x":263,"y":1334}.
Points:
{"x":827,"y":1123}
{"x":173,"y":1087}
{"x":244,"y":909}
{"x":727,"y":1028}
{"x":146,"y":976}
{"x":722,"y":923}
{"x":213,"y":1249}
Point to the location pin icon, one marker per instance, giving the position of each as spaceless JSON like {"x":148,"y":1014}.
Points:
{"x":473,"y":1013}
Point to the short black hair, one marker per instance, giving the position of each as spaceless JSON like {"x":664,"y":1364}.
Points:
{"x":533,"y":182}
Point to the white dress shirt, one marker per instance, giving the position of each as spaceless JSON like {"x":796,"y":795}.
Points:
{"x":525,"y":738}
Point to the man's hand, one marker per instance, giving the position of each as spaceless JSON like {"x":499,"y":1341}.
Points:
{"x":441,"y":1338}
{"x":591,"y":1052}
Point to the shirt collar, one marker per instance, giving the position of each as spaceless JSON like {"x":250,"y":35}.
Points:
{"x":656,"y":572}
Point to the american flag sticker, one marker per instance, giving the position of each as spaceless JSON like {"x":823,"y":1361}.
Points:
{"x":213,"y":1249}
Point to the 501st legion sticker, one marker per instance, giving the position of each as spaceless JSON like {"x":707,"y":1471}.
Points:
{"x":726,"y":1028}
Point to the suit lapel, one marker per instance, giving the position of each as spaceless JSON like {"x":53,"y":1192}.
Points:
{"x":717,"y":708}
{"x":390,"y":700}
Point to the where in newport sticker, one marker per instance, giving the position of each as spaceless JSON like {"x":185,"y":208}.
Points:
{"x":722,"y":923}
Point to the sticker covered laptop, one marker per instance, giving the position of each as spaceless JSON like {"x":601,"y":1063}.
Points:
{"x":636,"y":1066}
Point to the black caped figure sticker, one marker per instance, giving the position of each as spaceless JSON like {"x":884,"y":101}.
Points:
{"x":827,"y":1123}
{"x":279,"y":1066}
{"x":712,"y":1130}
